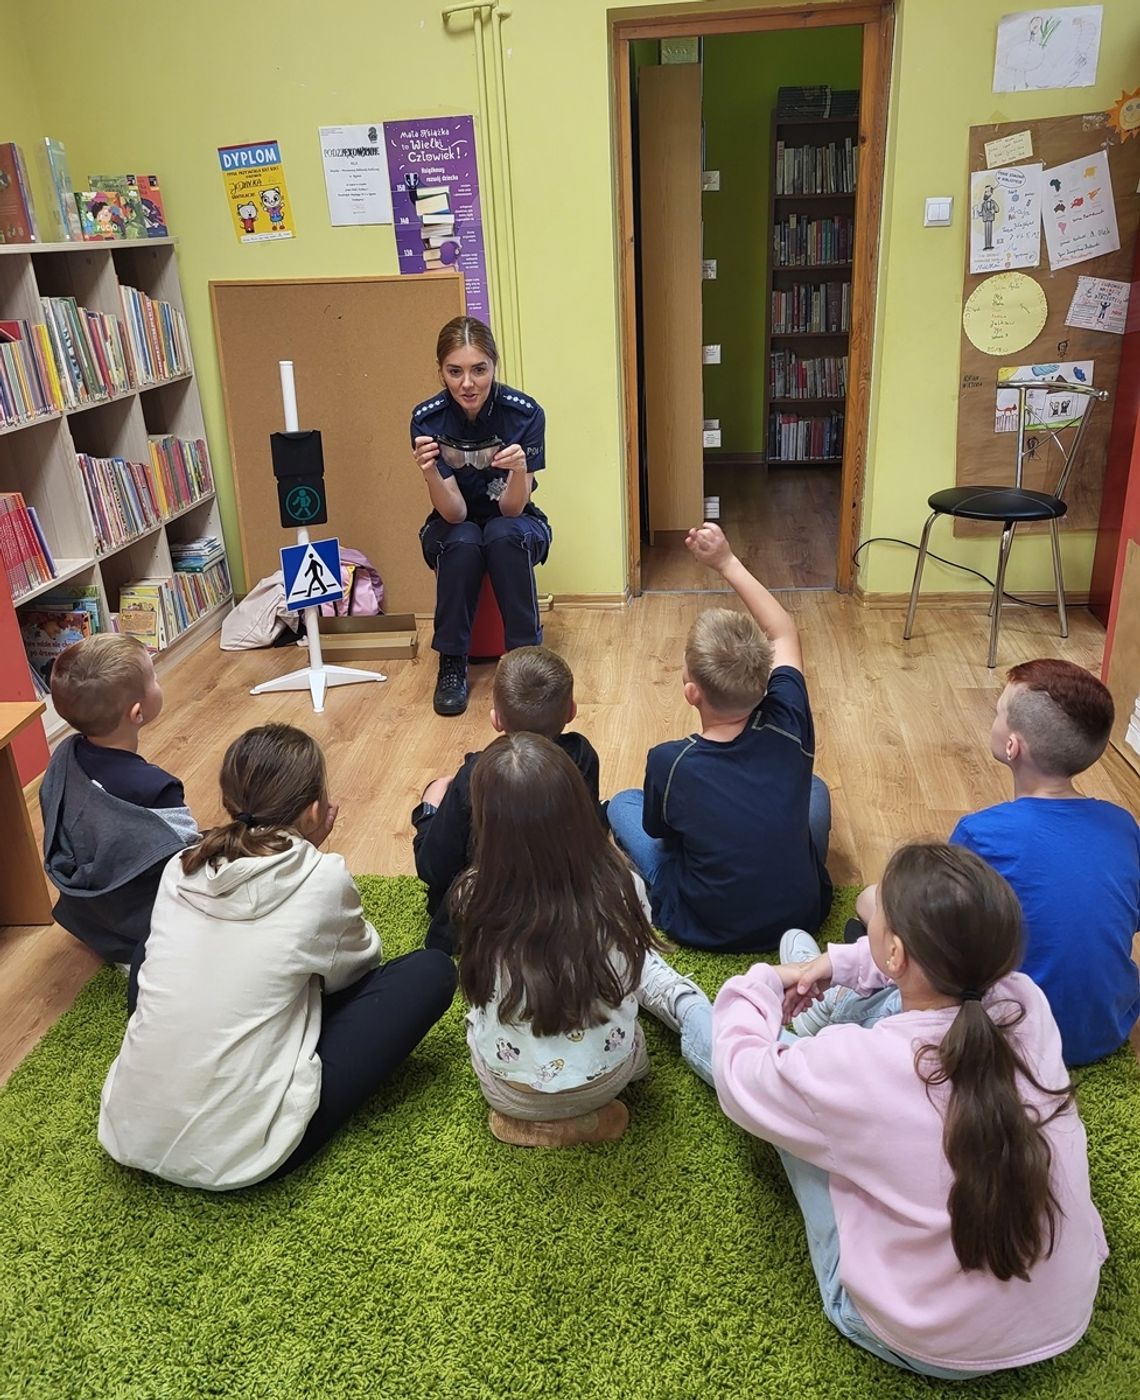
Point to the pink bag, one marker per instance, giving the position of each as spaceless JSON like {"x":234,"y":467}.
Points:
{"x":363,"y":588}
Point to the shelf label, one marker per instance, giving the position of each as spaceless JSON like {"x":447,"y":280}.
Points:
{"x":712,"y":437}
{"x":710,"y":354}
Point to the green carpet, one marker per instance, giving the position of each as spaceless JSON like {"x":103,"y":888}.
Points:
{"x":419,"y":1257}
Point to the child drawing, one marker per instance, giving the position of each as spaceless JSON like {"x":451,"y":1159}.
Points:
{"x":247,"y":213}
{"x":274,"y":206}
{"x":988,"y":211}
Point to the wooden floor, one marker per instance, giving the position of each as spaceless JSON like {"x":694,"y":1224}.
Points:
{"x":902,"y":740}
{"x":784,"y":524}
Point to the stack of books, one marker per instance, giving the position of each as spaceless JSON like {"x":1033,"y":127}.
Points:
{"x":800,"y":242}
{"x":89,"y":349}
{"x":147,"y":610}
{"x":822,"y":377}
{"x":29,"y":381}
{"x":181,"y":471}
{"x":195,"y":556}
{"x":121,"y":497}
{"x":156,"y":333}
{"x":24,"y":551}
{"x":816,"y":308}
{"x":816,"y":104}
{"x":56,"y":621}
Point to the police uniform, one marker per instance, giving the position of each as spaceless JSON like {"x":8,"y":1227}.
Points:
{"x":506,"y":547}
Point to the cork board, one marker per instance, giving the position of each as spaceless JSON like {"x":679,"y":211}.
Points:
{"x":986,"y":456}
{"x":363,"y":350}
{"x":1123,"y":678}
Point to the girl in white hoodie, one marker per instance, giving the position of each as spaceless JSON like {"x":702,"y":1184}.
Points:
{"x":260,"y":1018}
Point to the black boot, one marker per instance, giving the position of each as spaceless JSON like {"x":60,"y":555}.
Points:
{"x":451,"y":687}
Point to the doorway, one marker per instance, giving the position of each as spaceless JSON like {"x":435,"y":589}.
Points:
{"x":749,"y":163}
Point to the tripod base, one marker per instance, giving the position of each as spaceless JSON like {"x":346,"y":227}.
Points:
{"x":315,"y":680}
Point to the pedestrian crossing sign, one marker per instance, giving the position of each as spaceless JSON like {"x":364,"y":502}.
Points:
{"x":312,"y":574}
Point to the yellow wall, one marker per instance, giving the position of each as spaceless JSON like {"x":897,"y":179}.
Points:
{"x":193,"y":77}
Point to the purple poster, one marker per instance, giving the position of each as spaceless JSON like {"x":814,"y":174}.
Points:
{"x":435,"y":202}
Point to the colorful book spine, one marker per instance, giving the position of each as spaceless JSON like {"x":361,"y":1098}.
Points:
{"x":156,"y":334}
{"x":17,"y":213}
{"x":27,"y":562}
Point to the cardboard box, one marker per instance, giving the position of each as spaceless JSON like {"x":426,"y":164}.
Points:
{"x":387,"y":637}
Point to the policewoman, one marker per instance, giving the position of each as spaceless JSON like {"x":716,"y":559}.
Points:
{"x":478,"y":445}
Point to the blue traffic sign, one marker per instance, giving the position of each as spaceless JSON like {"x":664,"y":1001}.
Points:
{"x":312,"y":574}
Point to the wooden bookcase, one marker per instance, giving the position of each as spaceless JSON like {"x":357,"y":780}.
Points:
{"x":38,"y":458}
{"x":816,"y":133}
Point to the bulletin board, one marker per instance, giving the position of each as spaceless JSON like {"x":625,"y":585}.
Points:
{"x":1123,"y":678}
{"x":985,"y":455}
{"x":363,"y":351}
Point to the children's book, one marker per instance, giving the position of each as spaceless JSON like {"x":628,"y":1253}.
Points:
{"x":17,"y":216}
{"x":126,"y":187}
{"x":48,"y":631}
{"x":103,"y":214}
{"x":153,"y":210}
{"x":59,"y":180}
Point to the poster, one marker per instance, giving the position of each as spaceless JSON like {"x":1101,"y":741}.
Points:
{"x":435,"y":202}
{"x":1007,"y":149}
{"x":1005,"y":313}
{"x":1078,"y":211}
{"x":254,"y":179}
{"x":1099,"y":304}
{"x":1005,"y":218}
{"x":1044,"y":409}
{"x":356,"y":175}
{"x":1048,"y":49}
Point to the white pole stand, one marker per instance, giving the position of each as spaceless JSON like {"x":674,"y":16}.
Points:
{"x":316,"y":676}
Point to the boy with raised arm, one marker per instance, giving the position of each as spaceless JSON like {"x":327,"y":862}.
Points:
{"x":730,"y":832}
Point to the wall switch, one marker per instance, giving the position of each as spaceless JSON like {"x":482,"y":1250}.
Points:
{"x":938,"y":211}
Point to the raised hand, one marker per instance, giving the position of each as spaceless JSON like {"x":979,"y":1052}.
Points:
{"x":708,"y":544}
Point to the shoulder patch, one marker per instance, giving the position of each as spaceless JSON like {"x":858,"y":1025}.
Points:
{"x":517,"y":400}
{"x":421,"y":409}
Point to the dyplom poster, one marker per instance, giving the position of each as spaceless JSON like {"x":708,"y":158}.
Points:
{"x":435,"y":202}
{"x":259,"y":202}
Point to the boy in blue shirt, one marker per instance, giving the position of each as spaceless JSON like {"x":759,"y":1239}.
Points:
{"x":730,"y":832}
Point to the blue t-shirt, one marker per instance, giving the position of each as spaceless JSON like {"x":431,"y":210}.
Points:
{"x":1074,"y":863}
{"x":508,"y":415}
{"x":734,"y":817}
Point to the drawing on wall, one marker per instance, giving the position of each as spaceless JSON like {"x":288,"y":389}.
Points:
{"x":1078,"y":212}
{"x":1005,"y":313}
{"x":1099,"y":304}
{"x":1005,"y":218}
{"x":1039,"y":49}
{"x":1124,"y":115}
{"x":1045,"y":409}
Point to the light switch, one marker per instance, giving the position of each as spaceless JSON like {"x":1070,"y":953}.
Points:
{"x":938,"y":211}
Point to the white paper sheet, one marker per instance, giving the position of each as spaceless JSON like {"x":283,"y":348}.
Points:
{"x":356,"y":174}
{"x":1006,"y":149}
{"x":1039,"y":49}
{"x":1005,"y":218}
{"x":1099,"y":304}
{"x":1044,"y":409}
{"x":1078,"y":212}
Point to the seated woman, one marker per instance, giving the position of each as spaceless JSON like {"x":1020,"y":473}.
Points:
{"x":478,"y":445}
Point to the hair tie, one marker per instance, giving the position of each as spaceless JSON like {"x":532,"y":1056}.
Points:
{"x":970,"y":996}
{"x":246,"y":818}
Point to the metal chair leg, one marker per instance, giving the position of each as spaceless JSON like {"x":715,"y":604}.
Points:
{"x":999,"y":589}
{"x":920,"y":564}
{"x":1060,"y":578}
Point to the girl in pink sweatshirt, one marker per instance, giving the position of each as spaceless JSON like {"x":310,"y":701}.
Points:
{"x":937,"y":1157}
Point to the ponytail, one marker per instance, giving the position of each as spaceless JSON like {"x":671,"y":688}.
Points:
{"x":269,"y":777}
{"x":961,"y":923}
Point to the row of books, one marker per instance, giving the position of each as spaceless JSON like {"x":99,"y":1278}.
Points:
{"x":801,"y":242}
{"x":821,"y":102}
{"x":27,"y":389}
{"x":795,"y":439}
{"x":126,"y":499}
{"x":24,"y":552}
{"x":821,"y":377}
{"x":121,"y":206}
{"x":58,"y":619}
{"x":197,"y":592}
{"x":89,"y":352}
{"x":181,"y":470}
{"x":813,"y":307}
{"x":826,"y":169}
{"x":160,"y":346}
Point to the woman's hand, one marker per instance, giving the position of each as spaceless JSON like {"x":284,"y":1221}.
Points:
{"x":510,"y":459}
{"x":426,"y":451}
{"x":804,"y":983}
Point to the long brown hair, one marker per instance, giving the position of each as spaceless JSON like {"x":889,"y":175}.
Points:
{"x":961,"y":923}
{"x":549,"y":905}
{"x":269,"y":776}
{"x":465,"y":330}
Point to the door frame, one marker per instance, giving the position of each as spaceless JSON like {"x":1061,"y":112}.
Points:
{"x":877,"y":22}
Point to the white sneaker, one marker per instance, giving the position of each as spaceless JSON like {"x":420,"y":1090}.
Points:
{"x":662,"y":987}
{"x":798,"y":946}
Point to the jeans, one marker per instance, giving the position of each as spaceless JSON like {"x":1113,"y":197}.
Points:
{"x":507,"y":548}
{"x":649,"y":853}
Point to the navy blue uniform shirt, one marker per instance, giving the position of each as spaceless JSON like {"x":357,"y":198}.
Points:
{"x":509,"y":415}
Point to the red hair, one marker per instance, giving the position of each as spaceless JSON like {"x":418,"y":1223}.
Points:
{"x":1069,"y":717}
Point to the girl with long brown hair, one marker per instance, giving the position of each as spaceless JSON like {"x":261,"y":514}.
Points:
{"x":478,"y":445}
{"x":553,"y":941}
{"x":937,"y":1156}
{"x":260,"y":1018}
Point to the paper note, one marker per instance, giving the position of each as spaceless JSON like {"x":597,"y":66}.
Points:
{"x":1005,"y":313}
{"x":356,"y":174}
{"x":1005,"y":218}
{"x":712,"y":437}
{"x":1099,"y":304}
{"x":1048,"y":49}
{"x":708,"y":269}
{"x":1078,"y":212}
{"x":1007,"y":149}
{"x":1044,"y":408}
{"x":710,"y":179}
{"x":710,"y":354}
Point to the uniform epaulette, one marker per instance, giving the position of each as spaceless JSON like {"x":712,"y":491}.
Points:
{"x":512,"y":396}
{"x":423,"y":408}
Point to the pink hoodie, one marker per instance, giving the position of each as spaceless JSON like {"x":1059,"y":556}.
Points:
{"x":849,"y":1101}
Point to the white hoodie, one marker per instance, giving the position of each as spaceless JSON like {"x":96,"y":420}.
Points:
{"x":218,"y":1074}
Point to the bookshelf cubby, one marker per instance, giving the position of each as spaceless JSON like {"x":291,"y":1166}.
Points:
{"x":39,"y":456}
{"x":808,"y":323}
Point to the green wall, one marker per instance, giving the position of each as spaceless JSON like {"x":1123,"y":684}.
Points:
{"x":741,"y":75}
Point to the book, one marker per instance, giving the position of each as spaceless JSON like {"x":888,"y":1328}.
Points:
{"x":153,"y":210}
{"x":49,"y":630}
{"x":126,"y":187}
{"x":26,"y":562}
{"x":103,"y":214}
{"x":147,"y":611}
{"x":64,"y":211}
{"x":17,"y":214}
{"x":433,"y":202}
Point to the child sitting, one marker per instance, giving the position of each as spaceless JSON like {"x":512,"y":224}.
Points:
{"x":111,"y":820}
{"x":533,"y":693}
{"x":1073,"y":862}
{"x":731,"y":829}
{"x":938,"y":1159}
{"x":260,"y":1021}
{"x":552,"y":941}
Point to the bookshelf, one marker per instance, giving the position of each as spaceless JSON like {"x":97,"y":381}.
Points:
{"x":119,"y":527}
{"x":808,"y":323}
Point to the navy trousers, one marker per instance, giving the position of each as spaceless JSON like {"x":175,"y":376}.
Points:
{"x":505,"y":547}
